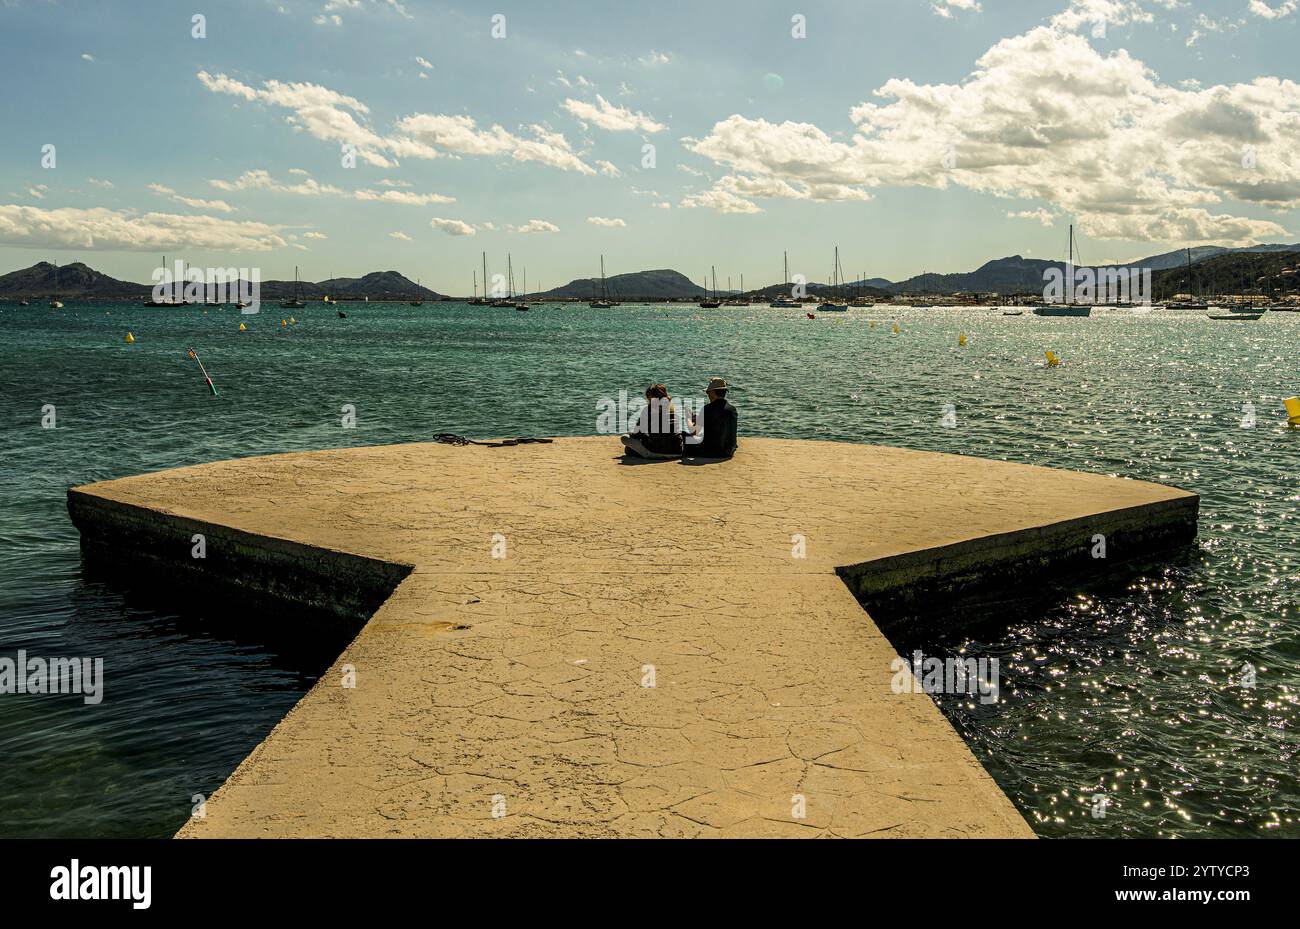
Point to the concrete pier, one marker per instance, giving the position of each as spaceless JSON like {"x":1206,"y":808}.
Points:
{"x":555,"y":643}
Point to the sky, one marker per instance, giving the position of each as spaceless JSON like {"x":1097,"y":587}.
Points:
{"x":348,"y":136}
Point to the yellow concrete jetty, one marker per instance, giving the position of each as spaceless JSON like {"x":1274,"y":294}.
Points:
{"x":555,"y":643}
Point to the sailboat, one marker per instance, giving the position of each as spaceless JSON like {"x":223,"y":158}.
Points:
{"x":602,"y":302}
{"x":522,"y":305}
{"x":54,"y":302}
{"x":835,"y":304}
{"x":483,"y":300}
{"x":165,"y":301}
{"x":1197,"y":304}
{"x":737,"y":301}
{"x":1065,"y":308}
{"x":296,"y":302}
{"x":783,"y":301}
{"x":712,"y":302}
{"x":419,"y":300}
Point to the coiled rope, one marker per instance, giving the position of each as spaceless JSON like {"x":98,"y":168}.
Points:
{"x":448,"y":438}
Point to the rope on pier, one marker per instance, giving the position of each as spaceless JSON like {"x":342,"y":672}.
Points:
{"x":448,"y":438}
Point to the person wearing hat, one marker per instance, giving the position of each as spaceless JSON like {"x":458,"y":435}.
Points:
{"x":713,"y":432}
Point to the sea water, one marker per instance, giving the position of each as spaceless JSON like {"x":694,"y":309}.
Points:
{"x":1133,"y":689}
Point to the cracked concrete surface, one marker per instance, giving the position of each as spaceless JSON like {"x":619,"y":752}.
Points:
{"x":516,"y":686}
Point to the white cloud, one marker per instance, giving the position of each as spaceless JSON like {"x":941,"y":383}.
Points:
{"x":452,"y":226}
{"x":602,"y":221}
{"x":86,"y":56}
{"x":537,"y":225}
{"x":314,"y":235}
{"x":221,"y":206}
{"x":1045,"y":117}
{"x":1284,"y":9}
{"x":107,"y":185}
{"x":123,"y":230}
{"x":460,"y":135}
{"x":399,"y":235}
{"x":654,"y":58}
{"x":609,"y":169}
{"x":403,"y":196}
{"x":334,"y":117}
{"x":723,"y":201}
{"x":1043,"y":216}
{"x":612,"y":117}
{"x":259,"y":179}
{"x":946,"y":8}
{"x":324,"y":20}
{"x":38,"y":191}
{"x":424,"y":63}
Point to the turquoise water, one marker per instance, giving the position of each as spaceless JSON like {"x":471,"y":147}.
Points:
{"x":1127,"y":689}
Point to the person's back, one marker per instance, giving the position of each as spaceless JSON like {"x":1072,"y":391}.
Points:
{"x":720,"y":420}
{"x":657,"y":434}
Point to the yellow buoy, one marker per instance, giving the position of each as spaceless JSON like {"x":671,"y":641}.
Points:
{"x":961,"y":339}
{"x":243,"y":328}
{"x":292,"y":321}
{"x":1052,"y":360}
{"x":283,"y":324}
{"x":129,"y":338}
{"x":1292,"y":405}
{"x":896,"y":329}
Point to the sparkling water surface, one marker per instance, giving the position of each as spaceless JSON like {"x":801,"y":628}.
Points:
{"x":1130,"y":688}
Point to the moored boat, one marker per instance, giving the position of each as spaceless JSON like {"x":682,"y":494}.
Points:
{"x":834,"y":303}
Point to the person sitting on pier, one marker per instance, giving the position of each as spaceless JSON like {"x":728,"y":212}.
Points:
{"x":713,"y":432}
{"x":656,"y":435}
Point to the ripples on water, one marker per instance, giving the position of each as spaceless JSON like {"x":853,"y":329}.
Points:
{"x":1127,"y":689}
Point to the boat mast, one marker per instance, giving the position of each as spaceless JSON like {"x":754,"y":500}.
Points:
{"x":485,"y":277}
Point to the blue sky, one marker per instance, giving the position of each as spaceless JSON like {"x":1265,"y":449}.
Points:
{"x":918,"y":135}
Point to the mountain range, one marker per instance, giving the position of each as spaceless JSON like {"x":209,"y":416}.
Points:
{"x":78,"y":280}
{"x":1014,"y":274}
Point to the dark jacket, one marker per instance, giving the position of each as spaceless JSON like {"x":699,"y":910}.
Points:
{"x":657,"y":428}
{"x":719,"y":439}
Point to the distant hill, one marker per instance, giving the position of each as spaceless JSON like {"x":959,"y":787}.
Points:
{"x":384,"y":285}
{"x":78,"y":280}
{"x":1235,"y":272}
{"x":1178,"y":259}
{"x":665,"y":284}
{"x":75,"y":279}
{"x":1017,"y":274}
{"x":662,"y":284}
